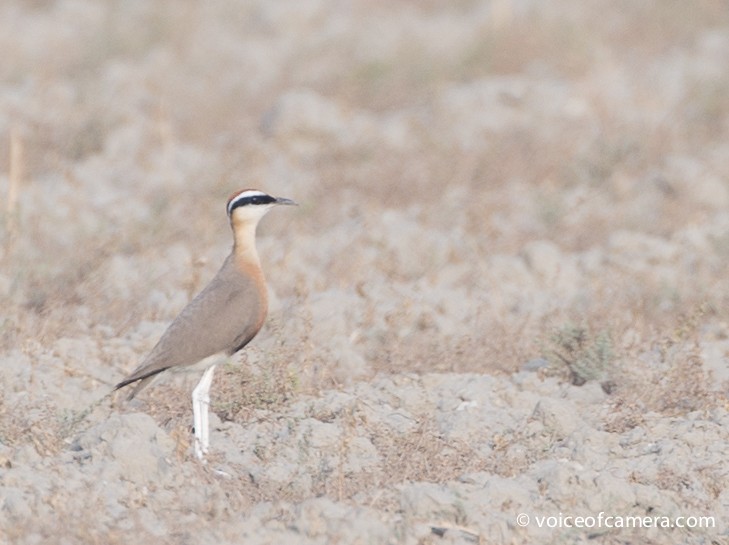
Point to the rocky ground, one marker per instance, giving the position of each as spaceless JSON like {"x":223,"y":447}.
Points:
{"x":501,"y":305}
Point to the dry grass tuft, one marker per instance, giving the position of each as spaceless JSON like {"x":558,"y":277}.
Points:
{"x":670,"y":376}
{"x":239,"y":389}
{"x":582,"y":354}
{"x":35,"y":423}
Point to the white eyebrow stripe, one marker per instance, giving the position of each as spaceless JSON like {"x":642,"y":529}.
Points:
{"x":243,"y":195}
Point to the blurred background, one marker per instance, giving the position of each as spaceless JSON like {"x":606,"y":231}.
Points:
{"x":505,"y":286}
{"x":476,"y":178}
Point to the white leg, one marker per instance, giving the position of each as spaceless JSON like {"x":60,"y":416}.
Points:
{"x":200,"y":404}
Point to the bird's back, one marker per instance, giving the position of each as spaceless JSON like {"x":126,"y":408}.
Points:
{"x":222,"y":318}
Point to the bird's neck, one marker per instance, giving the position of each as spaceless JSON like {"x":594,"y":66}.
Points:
{"x":246,"y":258}
{"x":244,"y":243}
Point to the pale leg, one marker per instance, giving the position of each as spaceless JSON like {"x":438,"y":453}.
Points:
{"x":200,"y":404}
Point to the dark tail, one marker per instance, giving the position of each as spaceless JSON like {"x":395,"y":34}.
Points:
{"x":141,"y":380}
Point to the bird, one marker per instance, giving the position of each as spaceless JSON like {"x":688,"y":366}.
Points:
{"x":222,"y":319}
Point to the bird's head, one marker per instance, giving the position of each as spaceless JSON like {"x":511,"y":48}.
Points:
{"x":250,"y":205}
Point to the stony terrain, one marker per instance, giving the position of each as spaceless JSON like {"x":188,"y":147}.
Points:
{"x":501,"y":306}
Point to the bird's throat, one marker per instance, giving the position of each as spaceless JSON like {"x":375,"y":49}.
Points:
{"x":244,"y":243}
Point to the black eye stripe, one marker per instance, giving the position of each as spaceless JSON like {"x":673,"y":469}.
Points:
{"x":249,"y":200}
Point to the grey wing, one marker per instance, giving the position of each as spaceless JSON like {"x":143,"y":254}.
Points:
{"x":223,"y":315}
